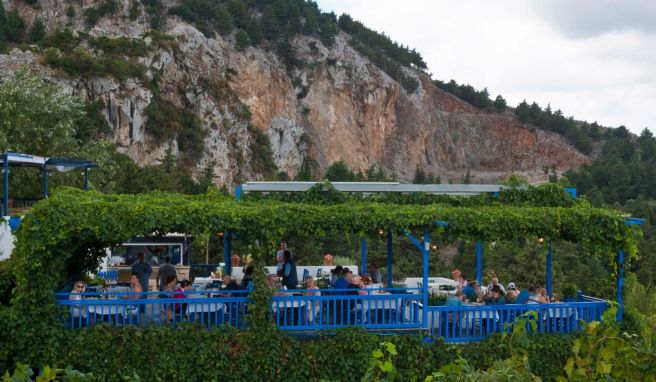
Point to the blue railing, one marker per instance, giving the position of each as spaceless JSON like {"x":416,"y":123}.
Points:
{"x":378,"y":309}
{"x":476,"y":322}
{"x":122,"y":308}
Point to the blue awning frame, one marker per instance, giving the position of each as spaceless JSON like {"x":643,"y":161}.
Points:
{"x":13,"y":159}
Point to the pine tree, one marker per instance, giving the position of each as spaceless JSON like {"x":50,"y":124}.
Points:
{"x":499,"y":104}
{"x":38,"y":31}
{"x":242,"y":40}
{"x":522,"y":111}
{"x":467,"y":178}
{"x":15,"y":28}
{"x":420,"y":177}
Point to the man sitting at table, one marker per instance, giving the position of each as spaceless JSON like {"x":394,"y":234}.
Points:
{"x":455,"y":300}
{"x":228,"y":284}
{"x":470,"y":291}
{"x":495,"y":297}
{"x":495,"y":282}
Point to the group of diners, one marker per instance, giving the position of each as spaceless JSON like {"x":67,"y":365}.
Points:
{"x":495,"y":293}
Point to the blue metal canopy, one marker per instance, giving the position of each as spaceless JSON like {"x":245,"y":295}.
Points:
{"x":12,"y":159}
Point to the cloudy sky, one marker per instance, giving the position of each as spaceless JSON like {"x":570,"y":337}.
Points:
{"x":593,"y":59}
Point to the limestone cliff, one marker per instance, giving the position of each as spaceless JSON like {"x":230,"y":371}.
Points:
{"x":350,"y":110}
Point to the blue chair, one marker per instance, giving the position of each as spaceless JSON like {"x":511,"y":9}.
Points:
{"x":522,"y":297}
{"x":306,"y":273}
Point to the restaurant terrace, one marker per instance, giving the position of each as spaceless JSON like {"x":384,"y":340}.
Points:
{"x":70,"y":231}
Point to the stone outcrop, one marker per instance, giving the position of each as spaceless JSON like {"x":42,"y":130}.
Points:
{"x":351,"y":110}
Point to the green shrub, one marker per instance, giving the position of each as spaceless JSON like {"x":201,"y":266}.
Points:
{"x":92,"y":15}
{"x":6,"y":282}
{"x":166,"y":122}
{"x":79,"y":62}
{"x":62,"y":39}
{"x":121,"y":46}
{"x":261,"y":354}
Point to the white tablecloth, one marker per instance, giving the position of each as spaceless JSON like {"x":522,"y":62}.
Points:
{"x":561,"y":312}
{"x":475,"y":317}
{"x":111,"y":310}
{"x":288,"y":304}
{"x":204,"y":307}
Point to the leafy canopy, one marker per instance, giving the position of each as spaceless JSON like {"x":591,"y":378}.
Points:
{"x":68,"y":232}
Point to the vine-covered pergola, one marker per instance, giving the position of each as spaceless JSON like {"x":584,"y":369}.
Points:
{"x":67,"y":234}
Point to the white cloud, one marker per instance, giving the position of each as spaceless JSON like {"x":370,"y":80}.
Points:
{"x":595,"y":60}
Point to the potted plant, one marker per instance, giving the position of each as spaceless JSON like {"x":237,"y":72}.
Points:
{"x":569,"y":292}
{"x":436,"y":299}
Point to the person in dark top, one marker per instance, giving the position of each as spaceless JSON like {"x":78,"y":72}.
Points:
{"x":336,"y":273}
{"x":247,"y":280}
{"x":289,"y":277}
{"x":376,"y":278}
{"x":469,"y":290}
{"x":344,"y":280}
{"x":228,"y":284}
{"x":164,"y":271}
{"x":496,"y":297}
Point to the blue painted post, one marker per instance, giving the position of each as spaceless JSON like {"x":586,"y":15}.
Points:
{"x":238,"y":192}
{"x":363,"y":252}
{"x":86,"y":179}
{"x":620,"y":284}
{"x":390,"y":259}
{"x":479,"y":263}
{"x":227,"y":251}
{"x":425,"y":251}
{"x":549,"y":276}
{"x":45,"y":181}
{"x":5,"y":173}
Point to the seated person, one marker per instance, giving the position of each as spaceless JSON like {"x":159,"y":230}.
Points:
{"x":455,"y":300}
{"x":357,"y":283}
{"x":522,"y":297}
{"x":336,"y":273}
{"x":311,"y":288}
{"x":495,"y":282}
{"x":495,"y":297}
{"x":135,"y":288}
{"x":533,"y":297}
{"x":247,"y":280}
{"x":344,"y":280}
{"x":272,"y":283}
{"x":181,"y":292}
{"x":512,"y":294}
{"x":76,"y":295}
{"x":228,"y":284}
{"x":470,"y":291}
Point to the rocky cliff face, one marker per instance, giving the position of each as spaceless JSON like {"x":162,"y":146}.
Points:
{"x":352,"y":111}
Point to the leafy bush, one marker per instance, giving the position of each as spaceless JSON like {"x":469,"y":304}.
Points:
{"x":92,"y":15}
{"x":79,"y":62}
{"x":120,"y":46}
{"x":6,"y":282}
{"x":167,"y":122}
{"x":256,"y":355}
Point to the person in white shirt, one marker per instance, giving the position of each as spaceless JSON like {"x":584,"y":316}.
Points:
{"x":495,"y":281}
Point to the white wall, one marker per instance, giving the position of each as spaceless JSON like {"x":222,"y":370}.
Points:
{"x":6,"y":240}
